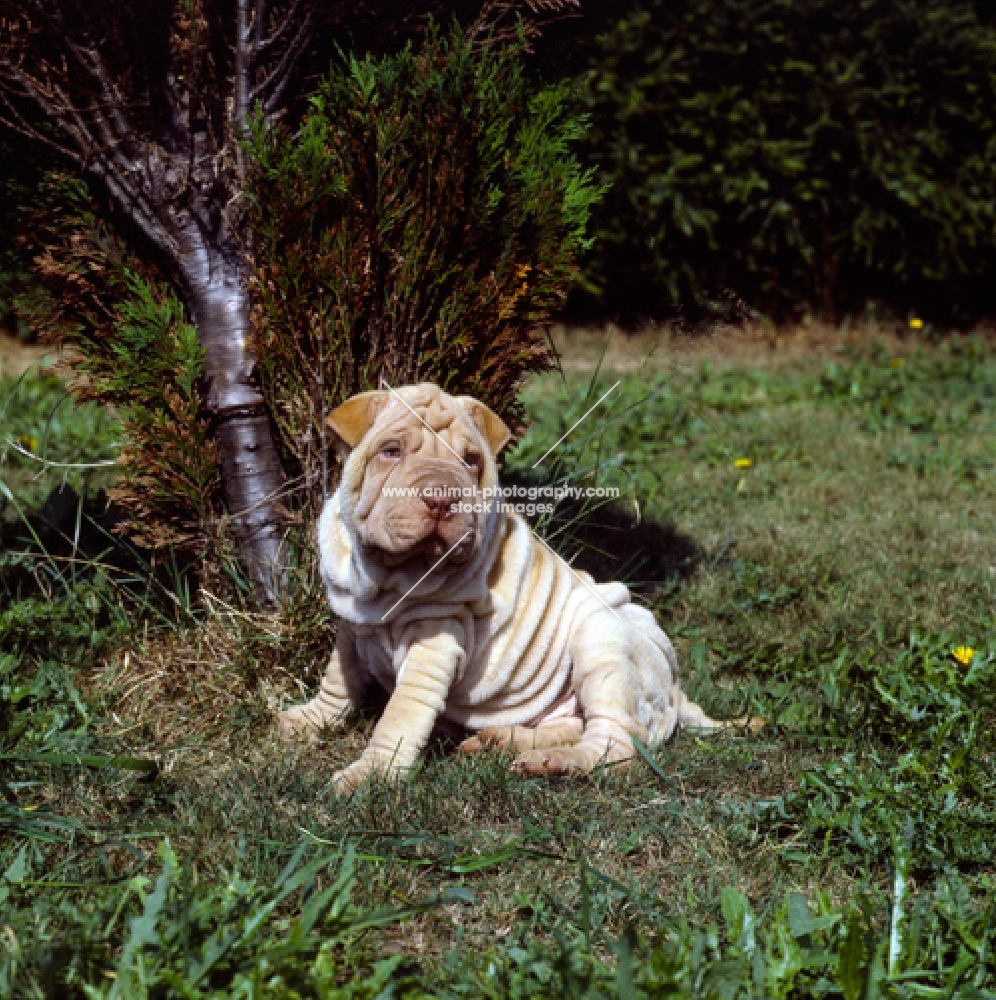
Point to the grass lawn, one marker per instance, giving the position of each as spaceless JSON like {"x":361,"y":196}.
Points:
{"x":817,"y":533}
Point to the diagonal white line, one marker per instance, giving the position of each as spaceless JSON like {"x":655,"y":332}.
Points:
{"x":581,"y":579}
{"x":427,"y":573}
{"x":59,"y":465}
{"x":557,"y":444}
{"x":397,"y":396}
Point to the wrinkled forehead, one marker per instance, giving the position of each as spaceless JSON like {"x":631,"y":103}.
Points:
{"x":433,"y":413}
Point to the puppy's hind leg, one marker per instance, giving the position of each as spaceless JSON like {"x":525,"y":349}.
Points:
{"x":603,"y":677}
{"x":516,"y":738}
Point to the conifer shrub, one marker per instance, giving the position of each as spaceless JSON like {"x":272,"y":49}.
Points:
{"x":421,"y":225}
{"x":795,"y":154}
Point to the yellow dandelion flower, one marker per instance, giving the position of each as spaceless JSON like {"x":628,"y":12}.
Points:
{"x":916,"y":323}
{"x":743,"y":463}
{"x":963,"y":654}
{"x":898,"y":362}
{"x":29,"y":442}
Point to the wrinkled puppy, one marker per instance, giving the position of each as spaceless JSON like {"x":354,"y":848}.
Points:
{"x":450,"y":603}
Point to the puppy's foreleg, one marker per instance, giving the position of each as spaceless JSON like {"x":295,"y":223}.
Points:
{"x":419,"y":698}
{"x":325,"y":709}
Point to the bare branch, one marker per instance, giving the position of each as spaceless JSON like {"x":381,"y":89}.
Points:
{"x":107,"y":132}
{"x":44,"y":98}
{"x":99,"y":137}
{"x":286,"y":23}
{"x":260,"y":13}
{"x":276,"y":81}
{"x":88,"y":59}
{"x":243,"y":67}
{"x":13,"y":118}
{"x":119,"y":181}
{"x":136,"y":207}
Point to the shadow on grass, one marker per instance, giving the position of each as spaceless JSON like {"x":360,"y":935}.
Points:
{"x":75,"y":537}
{"x":611,"y":541}
{"x":68,"y":525}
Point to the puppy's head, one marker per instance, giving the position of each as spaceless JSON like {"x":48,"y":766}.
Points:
{"x":418,"y":461}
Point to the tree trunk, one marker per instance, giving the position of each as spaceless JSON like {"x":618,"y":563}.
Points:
{"x":251,"y":472}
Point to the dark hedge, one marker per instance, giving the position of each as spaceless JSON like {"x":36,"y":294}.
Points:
{"x":796,"y":155}
{"x":22,"y":169}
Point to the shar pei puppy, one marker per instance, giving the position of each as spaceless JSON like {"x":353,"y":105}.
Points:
{"x":448,"y":601}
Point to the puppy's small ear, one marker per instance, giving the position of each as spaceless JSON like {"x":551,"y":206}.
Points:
{"x":494,"y":430}
{"x":356,"y":416}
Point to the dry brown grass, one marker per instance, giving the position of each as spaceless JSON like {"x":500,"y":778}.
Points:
{"x":16,"y":356}
{"x":666,"y":348}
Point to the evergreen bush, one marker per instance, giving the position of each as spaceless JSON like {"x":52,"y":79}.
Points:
{"x":796,"y":154}
{"x":421,"y":225}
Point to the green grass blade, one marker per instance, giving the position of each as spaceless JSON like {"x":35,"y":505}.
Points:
{"x":87,"y":760}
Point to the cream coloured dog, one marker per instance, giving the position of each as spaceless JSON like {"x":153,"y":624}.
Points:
{"x":450,"y":603}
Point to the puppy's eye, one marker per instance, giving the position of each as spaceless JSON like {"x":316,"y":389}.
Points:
{"x":391,"y":450}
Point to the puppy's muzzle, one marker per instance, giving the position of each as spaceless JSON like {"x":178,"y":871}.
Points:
{"x":440,"y":505}
{"x":446,"y":498}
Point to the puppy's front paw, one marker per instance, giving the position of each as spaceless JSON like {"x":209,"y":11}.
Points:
{"x":346,"y":781}
{"x":308,"y":720}
{"x":298,"y":722}
{"x":349,"y":779}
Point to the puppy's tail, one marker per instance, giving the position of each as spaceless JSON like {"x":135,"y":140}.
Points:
{"x":691,"y":716}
